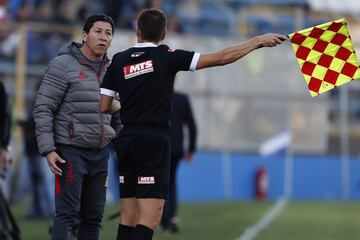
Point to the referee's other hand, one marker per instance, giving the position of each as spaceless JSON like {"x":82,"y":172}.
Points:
{"x":270,"y":39}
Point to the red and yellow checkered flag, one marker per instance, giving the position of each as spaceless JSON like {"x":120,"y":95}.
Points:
{"x":326,"y":56}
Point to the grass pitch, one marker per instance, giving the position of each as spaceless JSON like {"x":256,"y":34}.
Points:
{"x":228,"y":220}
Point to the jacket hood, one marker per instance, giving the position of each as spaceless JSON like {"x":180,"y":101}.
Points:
{"x":73,"y":48}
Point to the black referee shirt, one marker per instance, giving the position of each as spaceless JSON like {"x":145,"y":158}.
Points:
{"x":144,"y":78}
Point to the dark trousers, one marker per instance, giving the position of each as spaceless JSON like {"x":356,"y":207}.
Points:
{"x":171,"y":204}
{"x":80,"y":192}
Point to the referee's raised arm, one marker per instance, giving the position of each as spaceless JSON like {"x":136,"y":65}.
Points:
{"x":233,"y":53}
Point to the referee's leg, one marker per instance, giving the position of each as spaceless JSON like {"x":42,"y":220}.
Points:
{"x":150,"y":210}
{"x":128,"y":218}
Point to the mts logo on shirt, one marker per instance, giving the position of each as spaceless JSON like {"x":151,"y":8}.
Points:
{"x":138,"y":69}
{"x":146,"y":180}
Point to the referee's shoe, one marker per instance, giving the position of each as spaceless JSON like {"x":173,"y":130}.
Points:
{"x":172,"y":227}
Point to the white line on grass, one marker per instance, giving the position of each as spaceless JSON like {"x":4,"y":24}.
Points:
{"x":251,"y":232}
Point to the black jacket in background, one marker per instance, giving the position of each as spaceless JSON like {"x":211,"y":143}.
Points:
{"x":5,"y":119}
{"x":181,"y":116}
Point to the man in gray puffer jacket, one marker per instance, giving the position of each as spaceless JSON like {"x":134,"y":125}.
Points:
{"x":73,"y":133}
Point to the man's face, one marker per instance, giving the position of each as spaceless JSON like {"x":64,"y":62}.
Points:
{"x":98,"y":39}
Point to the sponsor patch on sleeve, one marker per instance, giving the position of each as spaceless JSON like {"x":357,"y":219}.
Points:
{"x":138,"y":69}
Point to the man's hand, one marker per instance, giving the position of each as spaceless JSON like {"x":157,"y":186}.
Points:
{"x":52,"y":159}
{"x":270,"y":39}
{"x":4,"y":159}
{"x":115,"y":106}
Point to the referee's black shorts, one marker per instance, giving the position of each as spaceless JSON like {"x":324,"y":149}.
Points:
{"x":144,"y":161}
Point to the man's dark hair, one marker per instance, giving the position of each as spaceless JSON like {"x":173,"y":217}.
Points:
{"x":89,"y":22}
{"x":152,"y":24}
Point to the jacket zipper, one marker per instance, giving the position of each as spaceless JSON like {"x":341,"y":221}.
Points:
{"x":71,"y":130}
{"x":98,"y":74}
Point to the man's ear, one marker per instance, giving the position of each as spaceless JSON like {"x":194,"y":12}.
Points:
{"x":84,"y":36}
{"x":163,"y":35}
{"x":138,"y":32}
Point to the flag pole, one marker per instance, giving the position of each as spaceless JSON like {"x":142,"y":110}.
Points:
{"x":288,"y":168}
{"x":344,"y":140}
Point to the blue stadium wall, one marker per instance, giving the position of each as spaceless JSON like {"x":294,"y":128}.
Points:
{"x":315,"y":177}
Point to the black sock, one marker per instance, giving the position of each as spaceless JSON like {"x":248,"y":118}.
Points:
{"x":125,"y":232}
{"x":142,"y":233}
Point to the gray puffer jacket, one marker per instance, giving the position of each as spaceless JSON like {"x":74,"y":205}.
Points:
{"x":67,"y":107}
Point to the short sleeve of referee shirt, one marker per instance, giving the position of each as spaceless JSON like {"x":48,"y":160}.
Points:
{"x":108,"y":85}
{"x":182,"y":60}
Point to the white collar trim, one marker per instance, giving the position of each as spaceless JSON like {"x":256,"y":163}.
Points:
{"x":145,"y":44}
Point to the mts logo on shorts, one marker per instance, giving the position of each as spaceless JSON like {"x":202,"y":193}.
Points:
{"x":146,"y":180}
{"x":138,"y":69}
{"x":122,"y":179}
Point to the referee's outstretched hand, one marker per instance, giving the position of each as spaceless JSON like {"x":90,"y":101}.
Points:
{"x":271,"y":39}
{"x":52,"y":159}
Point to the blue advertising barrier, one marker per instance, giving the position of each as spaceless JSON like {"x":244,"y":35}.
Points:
{"x":315,"y":177}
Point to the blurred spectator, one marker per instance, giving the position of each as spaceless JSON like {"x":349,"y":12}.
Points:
{"x":58,"y":39}
{"x":13,"y":7}
{"x":23,"y":14}
{"x":43,"y":13}
{"x":42,"y":45}
{"x":173,"y":25}
{"x":8,"y":226}
{"x":190,"y":10}
{"x":62,"y":14}
{"x":8,"y":40}
{"x":41,"y":205}
{"x":2,"y":10}
{"x":82,"y":13}
{"x":113,"y":9}
{"x":181,"y":116}
{"x":46,"y":44}
{"x":40,"y":49}
{"x":133,"y":21}
{"x":153,"y":4}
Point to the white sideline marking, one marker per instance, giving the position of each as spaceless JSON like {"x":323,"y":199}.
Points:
{"x":251,"y":232}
